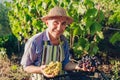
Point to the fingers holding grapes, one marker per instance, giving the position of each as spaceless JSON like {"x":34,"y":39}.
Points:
{"x":88,"y":63}
{"x":90,"y":68}
{"x":84,"y":68}
{"x":48,"y":75}
{"x":52,"y":69}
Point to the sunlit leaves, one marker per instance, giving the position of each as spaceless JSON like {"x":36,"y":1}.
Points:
{"x":115,"y":18}
{"x":25,"y":20}
{"x":77,"y":31}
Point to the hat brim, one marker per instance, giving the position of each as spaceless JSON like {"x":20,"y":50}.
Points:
{"x":68,"y":19}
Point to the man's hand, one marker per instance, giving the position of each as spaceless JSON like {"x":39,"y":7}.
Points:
{"x":52,"y":69}
{"x":44,"y":73}
{"x":84,"y":68}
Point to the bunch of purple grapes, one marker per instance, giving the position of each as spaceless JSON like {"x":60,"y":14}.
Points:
{"x":89,"y":62}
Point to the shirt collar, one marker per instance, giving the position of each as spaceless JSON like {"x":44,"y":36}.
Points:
{"x":47,"y":38}
{"x":47,"y":34}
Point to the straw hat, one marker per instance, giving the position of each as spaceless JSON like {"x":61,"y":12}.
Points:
{"x":57,"y":12}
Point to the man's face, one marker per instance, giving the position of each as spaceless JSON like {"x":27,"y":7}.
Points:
{"x":56,"y":27}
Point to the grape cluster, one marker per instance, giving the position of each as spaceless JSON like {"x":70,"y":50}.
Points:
{"x":89,"y":62}
{"x":53,"y":68}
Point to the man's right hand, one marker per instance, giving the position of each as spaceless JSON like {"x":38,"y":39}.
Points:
{"x":44,"y":73}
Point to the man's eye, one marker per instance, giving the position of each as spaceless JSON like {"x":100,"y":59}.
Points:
{"x":56,"y":22}
{"x":64,"y":23}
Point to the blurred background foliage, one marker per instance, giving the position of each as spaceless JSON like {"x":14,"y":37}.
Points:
{"x":7,"y":38}
{"x":96,"y":26}
{"x":4,"y":21}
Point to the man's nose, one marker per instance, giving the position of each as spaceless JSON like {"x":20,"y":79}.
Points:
{"x":59,"y":27}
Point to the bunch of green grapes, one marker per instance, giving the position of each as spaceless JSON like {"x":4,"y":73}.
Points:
{"x":53,"y":68}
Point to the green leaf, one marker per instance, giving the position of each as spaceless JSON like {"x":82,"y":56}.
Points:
{"x":27,"y":17}
{"x":62,"y":4}
{"x":115,"y":37}
{"x":46,"y":1}
{"x":113,"y":18}
{"x":100,"y":16}
{"x":88,"y":3}
{"x":67,"y":0}
{"x":95,"y":27}
{"x":87,"y":46}
{"x":76,"y":31}
{"x":54,"y":2}
{"x":118,"y":18}
{"x":95,"y":49}
{"x":100,"y":34}
{"x":82,"y":42}
{"x":88,"y":22}
{"x":91,"y":13}
{"x":76,"y":16}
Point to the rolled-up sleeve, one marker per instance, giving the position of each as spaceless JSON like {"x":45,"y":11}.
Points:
{"x":67,"y":55}
{"x":29,"y":55}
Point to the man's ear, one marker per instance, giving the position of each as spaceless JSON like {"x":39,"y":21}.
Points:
{"x":46,"y":22}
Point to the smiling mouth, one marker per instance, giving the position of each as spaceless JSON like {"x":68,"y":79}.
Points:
{"x":58,"y":32}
